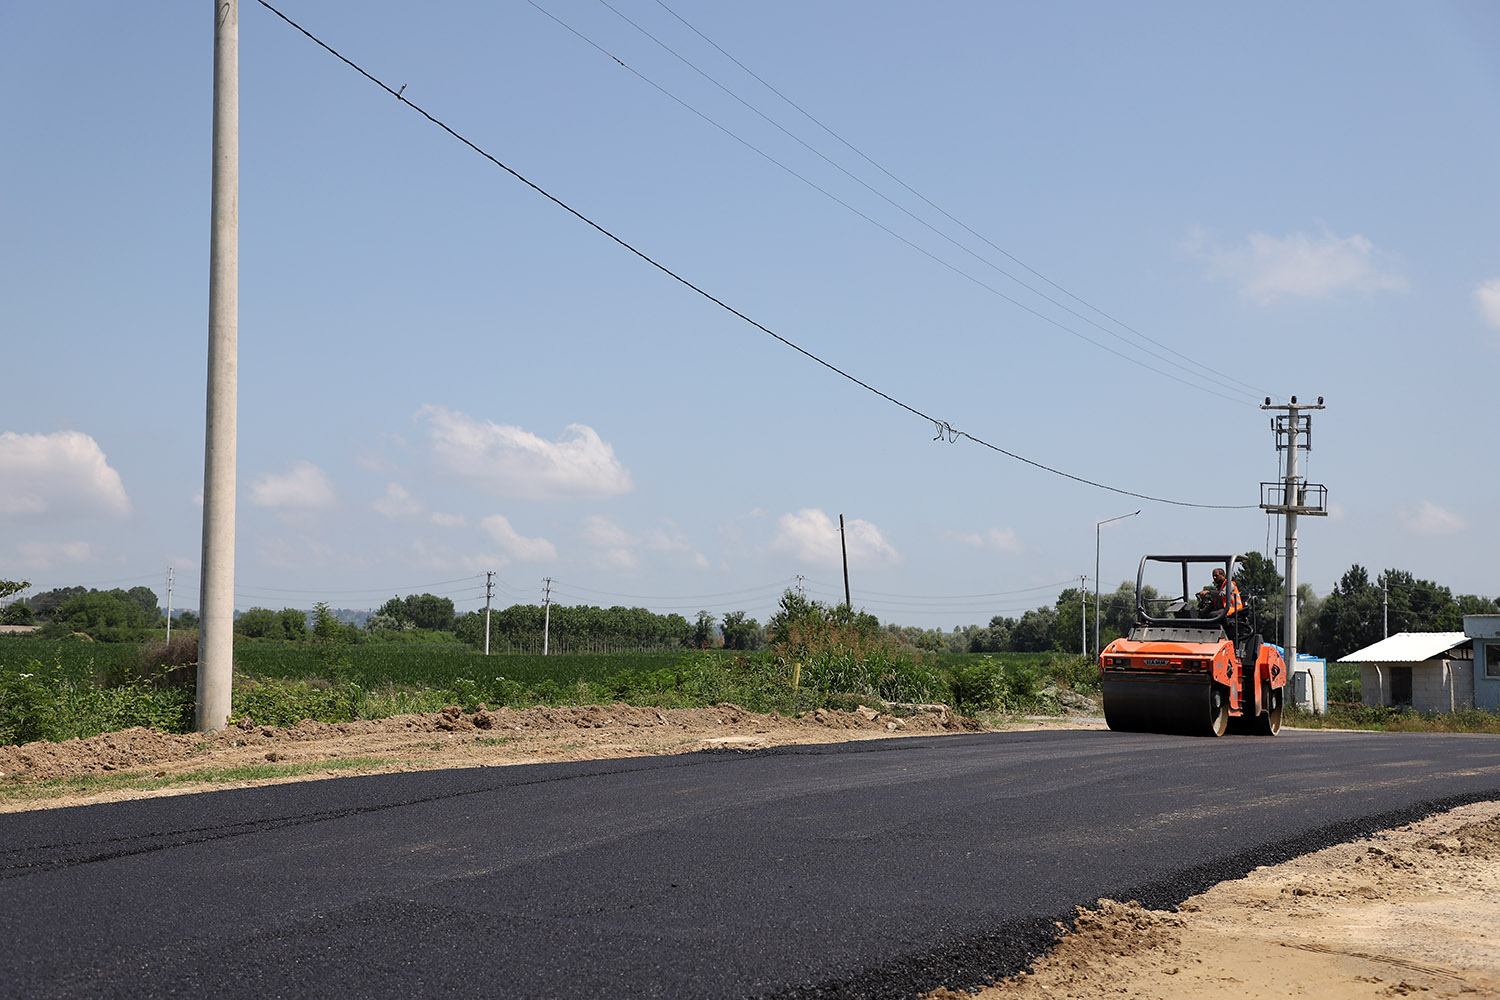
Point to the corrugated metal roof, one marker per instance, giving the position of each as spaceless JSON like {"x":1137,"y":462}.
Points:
{"x":1407,"y":647}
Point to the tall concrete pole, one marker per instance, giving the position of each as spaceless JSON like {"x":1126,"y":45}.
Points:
{"x":216,"y":593}
{"x":1293,"y":501}
{"x":1297,"y":498}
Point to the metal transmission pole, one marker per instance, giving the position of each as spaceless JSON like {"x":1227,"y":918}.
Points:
{"x":1293,"y":496}
{"x":216,"y":591}
{"x":489,"y":590}
{"x":169,"y":605}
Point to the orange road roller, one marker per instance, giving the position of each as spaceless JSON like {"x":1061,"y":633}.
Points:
{"x":1194,"y":662}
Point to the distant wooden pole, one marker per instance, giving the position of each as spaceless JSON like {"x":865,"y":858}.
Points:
{"x":843,"y":544}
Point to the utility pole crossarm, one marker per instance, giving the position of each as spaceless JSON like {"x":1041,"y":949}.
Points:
{"x":1291,"y":496}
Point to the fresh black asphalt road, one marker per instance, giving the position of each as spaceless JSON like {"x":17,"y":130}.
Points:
{"x":864,"y":869}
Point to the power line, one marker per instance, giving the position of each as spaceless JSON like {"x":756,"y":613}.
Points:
{"x":1247,"y":391}
{"x":883,"y":228}
{"x":777,"y":586}
{"x":944,"y":428}
{"x":862,"y":155}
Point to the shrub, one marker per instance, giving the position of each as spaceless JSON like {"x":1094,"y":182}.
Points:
{"x":285,"y":703}
{"x":44,"y":703}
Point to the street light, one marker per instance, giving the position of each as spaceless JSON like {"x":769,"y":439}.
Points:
{"x":1097,"y":525}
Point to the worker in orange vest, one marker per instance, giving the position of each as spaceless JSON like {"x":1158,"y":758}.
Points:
{"x":1226,"y":596}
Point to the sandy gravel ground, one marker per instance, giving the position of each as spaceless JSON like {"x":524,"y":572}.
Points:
{"x":1413,"y":911}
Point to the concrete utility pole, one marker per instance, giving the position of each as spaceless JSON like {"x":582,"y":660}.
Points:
{"x":489,"y":590}
{"x":547,"y":614}
{"x":1083,"y":615}
{"x":216,"y":591}
{"x":1292,"y":496}
{"x":169,"y":605}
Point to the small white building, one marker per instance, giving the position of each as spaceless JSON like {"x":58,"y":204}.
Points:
{"x":1425,"y":671}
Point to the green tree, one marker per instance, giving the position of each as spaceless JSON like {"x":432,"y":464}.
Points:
{"x":1068,"y":627}
{"x":293,"y":623}
{"x":326,"y":625}
{"x":1034,"y":632}
{"x":17,"y":613}
{"x":1349,"y":618}
{"x":794,"y":609}
{"x":259,"y":623}
{"x":742,"y":631}
{"x":48,"y":601}
{"x":9,"y":587}
{"x":704,"y":631}
{"x":1418,"y":605}
{"x":110,"y":616}
{"x":146,"y":598}
{"x":1473,"y":604}
{"x":429,"y":611}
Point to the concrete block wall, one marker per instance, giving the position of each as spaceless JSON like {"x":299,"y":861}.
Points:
{"x":1442,"y":686}
{"x":1436,"y":686}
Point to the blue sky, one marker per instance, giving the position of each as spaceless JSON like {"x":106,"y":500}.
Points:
{"x":444,"y":373}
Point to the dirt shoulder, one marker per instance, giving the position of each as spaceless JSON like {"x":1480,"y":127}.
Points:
{"x":1409,"y":911}
{"x":138,"y":763}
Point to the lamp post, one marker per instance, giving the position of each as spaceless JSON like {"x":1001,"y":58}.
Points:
{"x":1097,"y":525}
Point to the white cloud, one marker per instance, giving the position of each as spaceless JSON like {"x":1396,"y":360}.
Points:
{"x":32,"y":556}
{"x":302,"y":487}
{"x":1001,"y":540}
{"x":64,"y":474}
{"x":812,"y":537}
{"x":515,"y":545}
{"x":516,"y":463}
{"x":449,"y":520}
{"x":1487,"y":298}
{"x":397,"y":502}
{"x":619,"y":559}
{"x":295,"y":556}
{"x":617,"y":545}
{"x":1427,"y":518}
{"x":1269,"y":268}
{"x":602,"y":533}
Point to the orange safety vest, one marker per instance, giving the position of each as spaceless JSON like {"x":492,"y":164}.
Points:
{"x":1235,"y":604}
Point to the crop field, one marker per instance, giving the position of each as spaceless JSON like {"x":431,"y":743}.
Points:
{"x":378,"y":665}
{"x":80,"y":659}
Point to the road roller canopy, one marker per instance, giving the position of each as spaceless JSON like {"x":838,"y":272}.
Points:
{"x":1168,"y":591}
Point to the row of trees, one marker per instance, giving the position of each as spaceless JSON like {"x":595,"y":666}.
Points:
{"x":1358,"y":611}
{"x":585,"y":628}
{"x":109,"y":615}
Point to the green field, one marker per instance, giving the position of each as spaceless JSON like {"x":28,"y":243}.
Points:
{"x":376,"y":665}
{"x":80,"y":659}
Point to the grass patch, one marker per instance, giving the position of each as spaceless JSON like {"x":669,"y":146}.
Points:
{"x":96,"y":784}
{"x":1381,"y":718}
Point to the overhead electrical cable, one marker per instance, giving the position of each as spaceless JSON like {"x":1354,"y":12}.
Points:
{"x":937,"y":208}
{"x":1251,"y":395}
{"x":764,"y":588}
{"x":897,"y":236}
{"x":411,"y":589}
{"x":945,"y":430}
